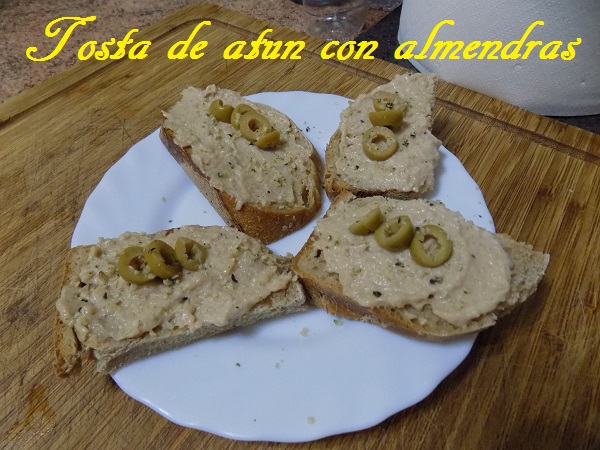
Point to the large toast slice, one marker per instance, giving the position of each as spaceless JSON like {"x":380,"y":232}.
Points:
{"x":409,"y":172}
{"x":102,"y":315}
{"x":352,"y":276}
{"x":267,"y":194}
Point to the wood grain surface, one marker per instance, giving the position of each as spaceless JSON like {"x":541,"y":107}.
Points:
{"x":532,"y":381}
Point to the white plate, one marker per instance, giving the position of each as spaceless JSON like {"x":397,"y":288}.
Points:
{"x":293,"y":379}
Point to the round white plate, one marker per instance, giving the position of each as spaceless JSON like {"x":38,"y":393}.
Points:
{"x":296,"y":378}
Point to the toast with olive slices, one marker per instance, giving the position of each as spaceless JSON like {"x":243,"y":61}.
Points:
{"x":384,"y":145}
{"x":446,"y":277}
{"x":252,"y":163}
{"x":129,"y":297}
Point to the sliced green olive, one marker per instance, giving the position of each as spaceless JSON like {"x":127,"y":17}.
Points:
{"x":379,"y":143}
{"x":390,"y":118}
{"x":238,"y":112}
{"x":395,"y":234}
{"x":221,"y":112}
{"x":430,"y":247}
{"x":131,"y":266}
{"x":386,"y":101}
{"x":190,"y":254}
{"x":367,"y":224}
{"x":269,"y":140}
{"x":161,"y":258}
{"x":254,"y":125}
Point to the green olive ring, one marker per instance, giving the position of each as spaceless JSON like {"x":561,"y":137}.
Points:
{"x":131,"y":265}
{"x":268,"y":140}
{"x":389,"y":118}
{"x":254,"y":125}
{"x":386,"y":101}
{"x":430,"y":246}
{"x":190,"y":253}
{"x":379,"y":143}
{"x":162,"y":260}
{"x":395,"y":234}
{"x":220,"y":111}
{"x":238,"y":112}
{"x":367,"y":224}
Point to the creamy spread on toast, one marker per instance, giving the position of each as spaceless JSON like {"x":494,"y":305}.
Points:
{"x":281,"y":177}
{"x":411,"y":168}
{"x":472,"y":282}
{"x":101,"y":307}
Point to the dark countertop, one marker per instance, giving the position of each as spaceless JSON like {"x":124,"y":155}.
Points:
{"x":22,"y":24}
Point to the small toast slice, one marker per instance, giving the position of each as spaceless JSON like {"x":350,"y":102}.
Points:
{"x":409,"y":172}
{"x":102,"y":315}
{"x":352,"y":276}
{"x":266,"y":193}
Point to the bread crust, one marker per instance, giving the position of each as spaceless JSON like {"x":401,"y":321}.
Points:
{"x":528,"y":268}
{"x":69,"y":351}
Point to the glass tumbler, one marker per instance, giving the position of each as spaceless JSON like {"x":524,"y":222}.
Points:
{"x":339,"y":20}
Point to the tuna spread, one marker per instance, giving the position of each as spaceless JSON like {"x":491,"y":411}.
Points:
{"x":411,"y":168}
{"x":472,"y":282}
{"x":238,"y":273}
{"x":278,"y":177}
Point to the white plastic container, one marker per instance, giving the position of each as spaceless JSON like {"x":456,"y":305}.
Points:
{"x":561,"y":87}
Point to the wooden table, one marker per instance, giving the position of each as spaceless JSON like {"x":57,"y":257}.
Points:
{"x":532,"y":381}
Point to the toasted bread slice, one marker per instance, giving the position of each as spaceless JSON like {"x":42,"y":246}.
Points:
{"x":409,"y":172}
{"x":389,"y":289}
{"x":267,"y":194}
{"x":102,"y":315}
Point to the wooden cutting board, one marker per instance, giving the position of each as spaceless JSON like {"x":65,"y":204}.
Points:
{"x":531,"y":381}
